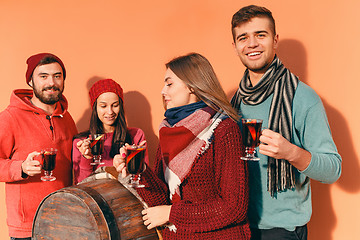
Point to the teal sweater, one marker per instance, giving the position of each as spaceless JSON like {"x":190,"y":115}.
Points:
{"x":311,"y":132}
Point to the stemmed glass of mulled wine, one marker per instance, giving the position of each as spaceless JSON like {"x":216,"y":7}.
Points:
{"x":135,"y":164}
{"x":97,"y":148}
{"x":48,"y":156}
{"x":251,"y":131}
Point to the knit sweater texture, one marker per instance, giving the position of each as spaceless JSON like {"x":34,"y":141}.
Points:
{"x":214,"y":195}
{"x":25,"y":129}
{"x":311,"y":132}
{"x":81,"y":165}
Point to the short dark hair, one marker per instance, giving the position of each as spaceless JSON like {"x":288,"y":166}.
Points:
{"x":247,"y":13}
{"x":49,"y":59}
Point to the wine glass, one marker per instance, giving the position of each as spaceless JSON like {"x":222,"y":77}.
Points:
{"x":48,"y":163}
{"x":135,"y":164}
{"x":97,"y":148}
{"x":251,"y":131}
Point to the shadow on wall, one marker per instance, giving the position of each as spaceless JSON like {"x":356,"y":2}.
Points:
{"x":293,"y":55}
{"x":138,"y":114}
{"x":84,"y":122}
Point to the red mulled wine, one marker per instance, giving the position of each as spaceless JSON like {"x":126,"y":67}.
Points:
{"x":48,"y":156}
{"x":49,"y":161}
{"x":135,"y":160}
{"x":97,"y":146}
{"x":251,"y":132}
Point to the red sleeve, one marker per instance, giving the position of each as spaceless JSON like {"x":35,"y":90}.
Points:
{"x":81,"y":166}
{"x":10,"y":169}
{"x":155,"y":191}
{"x":229,"y":206}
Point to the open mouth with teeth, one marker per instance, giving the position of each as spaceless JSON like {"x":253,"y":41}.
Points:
{"x":110,"y":118}
{"x":51,"y":89}
{"x":253,"y":54}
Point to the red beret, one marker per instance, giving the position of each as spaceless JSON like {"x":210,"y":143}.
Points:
{"x":34,"y":61}
{"x":102,"y":86}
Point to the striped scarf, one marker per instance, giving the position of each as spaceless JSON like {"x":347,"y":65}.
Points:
{"x":182,"y":143}
{"x":282,"y":83}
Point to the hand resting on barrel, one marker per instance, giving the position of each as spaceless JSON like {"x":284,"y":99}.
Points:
{"x":119,"y":159}
{"x":156,"y":216}
{"x":84,"y":148}
{"x":31,"y":166}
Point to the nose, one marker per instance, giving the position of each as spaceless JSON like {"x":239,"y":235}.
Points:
{"x":109,"y":110}
{"x":51,"y":80}
{"x":163,"y":91}
{"x":253,"y":42}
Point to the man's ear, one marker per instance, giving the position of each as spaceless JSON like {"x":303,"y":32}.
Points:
{"x":276,"y":41}
{"x":31,"y":83}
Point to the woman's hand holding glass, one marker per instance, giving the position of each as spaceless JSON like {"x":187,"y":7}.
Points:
{"x":84,"y":148}
{"x":119,"y":161}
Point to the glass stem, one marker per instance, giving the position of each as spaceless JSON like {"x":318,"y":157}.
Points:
{"x":250,"y":151}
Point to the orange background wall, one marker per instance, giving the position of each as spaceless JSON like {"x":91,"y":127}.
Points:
{"x":130,"y":41}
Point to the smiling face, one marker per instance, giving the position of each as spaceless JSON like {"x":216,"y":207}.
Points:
{"x":175,"y":92}
{"x":47,"y":83}
{"x":108,"y":108}
{"x":255,"y":44}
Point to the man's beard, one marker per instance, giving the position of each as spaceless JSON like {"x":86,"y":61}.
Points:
{"x":51,"y":99}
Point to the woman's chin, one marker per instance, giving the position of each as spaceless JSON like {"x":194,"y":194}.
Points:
{"x":109,"y":123}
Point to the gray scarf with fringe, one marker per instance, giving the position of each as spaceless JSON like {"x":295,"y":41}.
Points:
{"x":279,"y":81}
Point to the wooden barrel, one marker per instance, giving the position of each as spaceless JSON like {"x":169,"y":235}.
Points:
{"x":100,"y":209}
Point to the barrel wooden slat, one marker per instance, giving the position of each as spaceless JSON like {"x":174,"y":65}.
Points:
{"x":101,"y":209}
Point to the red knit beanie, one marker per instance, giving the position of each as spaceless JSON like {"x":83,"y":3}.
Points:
{"x":102,"y":86}
{"x":34,"y":61}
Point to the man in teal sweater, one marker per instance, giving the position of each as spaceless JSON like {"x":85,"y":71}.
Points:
{"x":296,"y":144}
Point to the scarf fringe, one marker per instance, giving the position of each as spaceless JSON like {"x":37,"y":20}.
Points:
{"x":207,"y":134}
{"x":204,"y":137}
{"x":173,"y":181}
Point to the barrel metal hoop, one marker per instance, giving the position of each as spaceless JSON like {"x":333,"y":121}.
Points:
{"x":105,"y":208}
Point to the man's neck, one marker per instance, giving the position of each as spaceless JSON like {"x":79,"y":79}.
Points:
{"x":49,"y":109}
{"x":255,"y":77}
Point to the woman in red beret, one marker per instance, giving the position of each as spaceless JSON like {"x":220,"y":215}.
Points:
{"x":107,"y":118}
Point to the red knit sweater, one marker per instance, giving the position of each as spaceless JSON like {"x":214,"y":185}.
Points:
{"x":25,"y":129}
{"x":214,"y":196}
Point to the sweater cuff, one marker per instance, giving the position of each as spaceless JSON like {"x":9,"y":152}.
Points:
{"x":15,"y":172}
{"x":310,"y":166}
{"x":323,"y":168}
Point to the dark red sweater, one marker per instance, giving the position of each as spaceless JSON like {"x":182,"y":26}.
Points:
{"x":214,"y":196}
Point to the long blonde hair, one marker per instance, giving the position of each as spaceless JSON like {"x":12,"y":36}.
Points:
{"x":199,"y":76}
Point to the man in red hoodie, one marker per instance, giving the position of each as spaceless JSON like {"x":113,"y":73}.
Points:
{"x":34,"y":120}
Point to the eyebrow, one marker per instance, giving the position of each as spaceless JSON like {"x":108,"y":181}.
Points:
{"x":166,"y":79}
{"x":44,"y":73}
{"x":103,"y":102}
{"x":257,"y":32}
